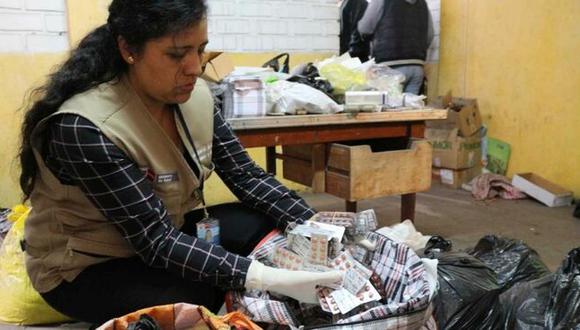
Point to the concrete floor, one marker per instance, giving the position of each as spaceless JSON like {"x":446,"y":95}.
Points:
{"x":455,"y":215}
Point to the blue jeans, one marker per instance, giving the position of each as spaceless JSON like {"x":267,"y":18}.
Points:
{"x":413,"y":77}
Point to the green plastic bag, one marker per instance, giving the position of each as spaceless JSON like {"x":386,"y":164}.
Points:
{"x":498,"y":156}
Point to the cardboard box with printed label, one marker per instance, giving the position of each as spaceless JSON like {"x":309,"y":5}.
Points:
{"x":463,"y":114}
{"x":453,"y":151}
{"x":455,"y":178}
{"x":543,"y":190}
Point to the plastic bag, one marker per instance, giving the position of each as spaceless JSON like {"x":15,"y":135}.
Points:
{"x":438,"y":244}
{"x":468,"y":296}
{"x":563,"y":311}
{"x":382,"y":78}
{"x":512,"y":260}
{"x":524,"y":305}
{"x":286,"y":97}
{"x":343,"y":79}
{"x":21,"y":304}
{"x":4,"y":223}
{"x":405,"y":232}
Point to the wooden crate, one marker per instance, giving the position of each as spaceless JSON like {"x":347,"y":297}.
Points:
{"x":355,"y":172}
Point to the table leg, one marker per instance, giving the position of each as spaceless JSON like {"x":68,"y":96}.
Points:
{"x":350,"y":206}
{"x":408,"y":207}
{"x":271,"y":160}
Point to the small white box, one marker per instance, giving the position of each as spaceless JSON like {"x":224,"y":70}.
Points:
{"x":248,"y":97}
{"x":543,"y":190}
{"x":365,"y":98}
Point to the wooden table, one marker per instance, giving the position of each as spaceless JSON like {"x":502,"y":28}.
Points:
{"x":272,"y":131}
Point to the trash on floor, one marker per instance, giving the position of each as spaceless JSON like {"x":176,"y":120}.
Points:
{"x":489,"y":186}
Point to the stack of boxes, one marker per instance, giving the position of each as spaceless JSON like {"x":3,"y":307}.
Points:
{"x":456,"y":141}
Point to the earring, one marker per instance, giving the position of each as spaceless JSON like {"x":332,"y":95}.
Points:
{"x":130,"y":59}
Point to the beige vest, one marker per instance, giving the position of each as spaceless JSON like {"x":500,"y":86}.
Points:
{"x":65,"y":233}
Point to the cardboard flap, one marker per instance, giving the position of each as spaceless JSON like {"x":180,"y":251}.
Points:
{"x":463,"y":114}
{"x":217,"y":66}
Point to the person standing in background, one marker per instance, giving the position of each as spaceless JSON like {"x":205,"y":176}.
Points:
{"x":351,"y":11}
{"x":400,"y":32}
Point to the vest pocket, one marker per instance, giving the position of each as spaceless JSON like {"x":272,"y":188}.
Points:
{"x":81,"y":253}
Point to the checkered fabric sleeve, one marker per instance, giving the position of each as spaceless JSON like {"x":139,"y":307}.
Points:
{"x":79,"y":154}
{"x":250,"y":183}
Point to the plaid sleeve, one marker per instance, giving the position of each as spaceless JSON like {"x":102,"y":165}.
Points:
{"x":250,"y":183}
{"x":81,"y":155}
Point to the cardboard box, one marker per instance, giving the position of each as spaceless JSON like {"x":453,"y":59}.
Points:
{"x":453,"y":151}
{"x":217,"y":66}
{"x":455,"y":178}
{"x":543,"y":190}
{"x":463,"y":114}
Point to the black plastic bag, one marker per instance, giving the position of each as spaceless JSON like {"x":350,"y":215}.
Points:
{"x":524,"y":304}
{"x":438,"y":244}
{"x":308,"y":74}
{"x":512,"y":260}
{"x":563,"y":311}
{"x":468,"y":296}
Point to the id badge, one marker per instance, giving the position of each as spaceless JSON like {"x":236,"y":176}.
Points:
{"x":208,"y":230}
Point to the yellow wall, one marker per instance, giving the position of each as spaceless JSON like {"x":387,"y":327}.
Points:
{"x":18,"y":73}
{"x":521,"y":59}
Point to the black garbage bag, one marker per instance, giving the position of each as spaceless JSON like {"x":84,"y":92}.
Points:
{"x":468,"y":296}
{"x":437,"y":244}
{"x":563,"y":311}
{"x":512,"y":260}
{"x":308,"y":74}
{"x":524,"y":305}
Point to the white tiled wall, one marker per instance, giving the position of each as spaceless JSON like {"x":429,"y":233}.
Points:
{"x":274,"y":25}
{"x":33,"y":26}
{"x":235,"y":25}
{"x":285,"y":25}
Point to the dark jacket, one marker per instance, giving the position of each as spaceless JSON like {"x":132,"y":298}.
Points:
{"x":399,"y":30}
{"x":351,"y":12}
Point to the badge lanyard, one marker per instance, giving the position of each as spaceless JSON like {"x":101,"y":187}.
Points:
{"x":201,"y":170}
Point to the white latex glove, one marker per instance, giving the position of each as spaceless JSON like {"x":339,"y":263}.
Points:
{"x":296,"y":284}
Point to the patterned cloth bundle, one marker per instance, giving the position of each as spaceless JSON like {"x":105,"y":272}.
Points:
{"x":385,"y":288}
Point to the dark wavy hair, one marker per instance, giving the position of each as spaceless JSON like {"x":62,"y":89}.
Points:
{"x":97,"y":59}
